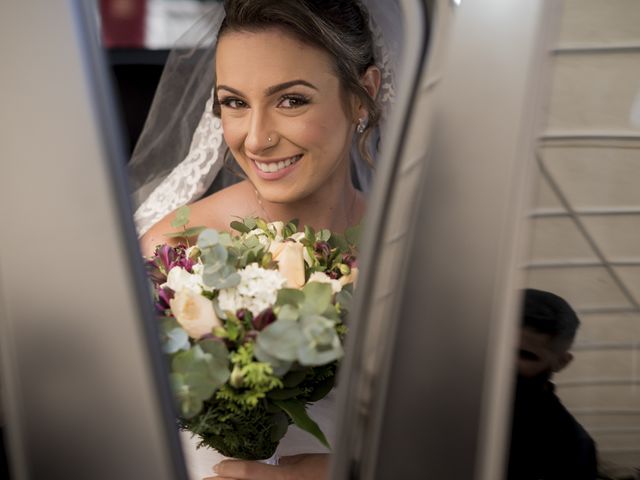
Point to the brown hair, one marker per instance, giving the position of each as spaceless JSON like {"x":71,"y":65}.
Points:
{"x":340,"y":27}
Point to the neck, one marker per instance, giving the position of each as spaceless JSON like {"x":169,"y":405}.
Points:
{"x":337,"y":207}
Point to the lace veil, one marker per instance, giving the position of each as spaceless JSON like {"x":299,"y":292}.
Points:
{"x":181,"y":150}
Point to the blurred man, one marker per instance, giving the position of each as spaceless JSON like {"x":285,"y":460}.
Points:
{"x":547,"y":443}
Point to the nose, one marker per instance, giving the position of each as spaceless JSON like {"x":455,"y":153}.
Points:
{"x":260,"y":132}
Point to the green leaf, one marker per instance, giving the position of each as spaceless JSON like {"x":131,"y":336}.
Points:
{"x":284,"y":393}
{"x":317,"y":297}
{"x":262,"y":225}
{"x":182,"y":217}
{"x":309,"y":233}
{"x":339,"y":241}
{"x":322,"y":389}
{"x":279,"y":426}
{"x":290,"y":296}
{"x":297,"y":412}
{"x":324,"y":235}
{"x":240,"y":227}
{"x":294,"y":378}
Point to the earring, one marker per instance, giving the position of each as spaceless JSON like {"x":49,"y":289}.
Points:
{"x":362,"y":125}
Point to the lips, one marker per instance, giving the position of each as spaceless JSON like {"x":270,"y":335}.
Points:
{"x":274,"y":170}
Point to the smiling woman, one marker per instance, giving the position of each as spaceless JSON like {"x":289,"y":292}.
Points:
{"x":288,"y":118}
{"x":293,"y":98}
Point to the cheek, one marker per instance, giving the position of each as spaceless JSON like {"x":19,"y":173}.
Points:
{"x":324,"y":132}
{"x":232,"y":132}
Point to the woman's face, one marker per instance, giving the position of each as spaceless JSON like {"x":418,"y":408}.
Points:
{"x":283,"y":114}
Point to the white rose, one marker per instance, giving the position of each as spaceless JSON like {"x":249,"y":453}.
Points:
{"x":351,"y":278}
{"x":179,"y":279}
{"x":194,"y":313}
{"x":289,"y":256}
{"x":322,"y":277}
{"x":297,"y":236}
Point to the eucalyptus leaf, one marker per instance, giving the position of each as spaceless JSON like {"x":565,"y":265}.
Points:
{"x":317,"y":298}
{"x":207,"y":238}
{"x":225,"y":239}
{"x":297,"y":412}
{"x":182,"y":217}
{"x":281,"y":339}
{"x":290,"y":296}
{"x":173,"y":336}
{"x":250,"y":223}
{"x":280,"y":367}
{"x":288,"y":313}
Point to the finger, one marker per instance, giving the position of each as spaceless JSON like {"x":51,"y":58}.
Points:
{"x":246,"y":470}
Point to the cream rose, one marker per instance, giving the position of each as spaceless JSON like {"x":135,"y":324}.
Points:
{"x":289,"y":256}
{"x":194,"y":313}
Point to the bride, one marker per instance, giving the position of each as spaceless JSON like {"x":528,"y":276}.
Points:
{"x":295,"y":85}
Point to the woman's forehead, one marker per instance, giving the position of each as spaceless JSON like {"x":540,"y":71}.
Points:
{"x":270,"y":56}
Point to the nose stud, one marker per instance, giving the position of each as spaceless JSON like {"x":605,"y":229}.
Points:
{"x":269,"y":139}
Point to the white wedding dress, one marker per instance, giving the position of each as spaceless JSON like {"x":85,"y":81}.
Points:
{"x":201,"y":460}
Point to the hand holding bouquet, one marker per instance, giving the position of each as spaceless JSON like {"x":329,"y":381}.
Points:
{"x":253,"y":325}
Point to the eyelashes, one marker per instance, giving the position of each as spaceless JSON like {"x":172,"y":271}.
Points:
{"x":289,"y":101}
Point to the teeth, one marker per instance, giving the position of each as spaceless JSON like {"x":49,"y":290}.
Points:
{"x":273,"y":167}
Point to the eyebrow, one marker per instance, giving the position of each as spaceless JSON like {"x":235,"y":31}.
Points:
{"x":273,"y":89}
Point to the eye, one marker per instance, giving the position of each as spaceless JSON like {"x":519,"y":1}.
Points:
{"x":293,"y":101}
{"x":232,"y":102}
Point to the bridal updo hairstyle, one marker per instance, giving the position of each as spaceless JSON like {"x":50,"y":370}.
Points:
{"x":340,"y":27}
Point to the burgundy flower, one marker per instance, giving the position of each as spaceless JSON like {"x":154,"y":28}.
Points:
{"x":322,"y":251}
{"x":349,"y":260}
{"x":164,"y":297}
{"x":164,"y":259}
{"x":264,"y":318}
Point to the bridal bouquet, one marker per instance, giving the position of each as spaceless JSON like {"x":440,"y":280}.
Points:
{"x":253,"y":326}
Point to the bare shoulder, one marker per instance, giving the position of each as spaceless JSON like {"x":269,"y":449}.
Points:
{"x":214,"y":211}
